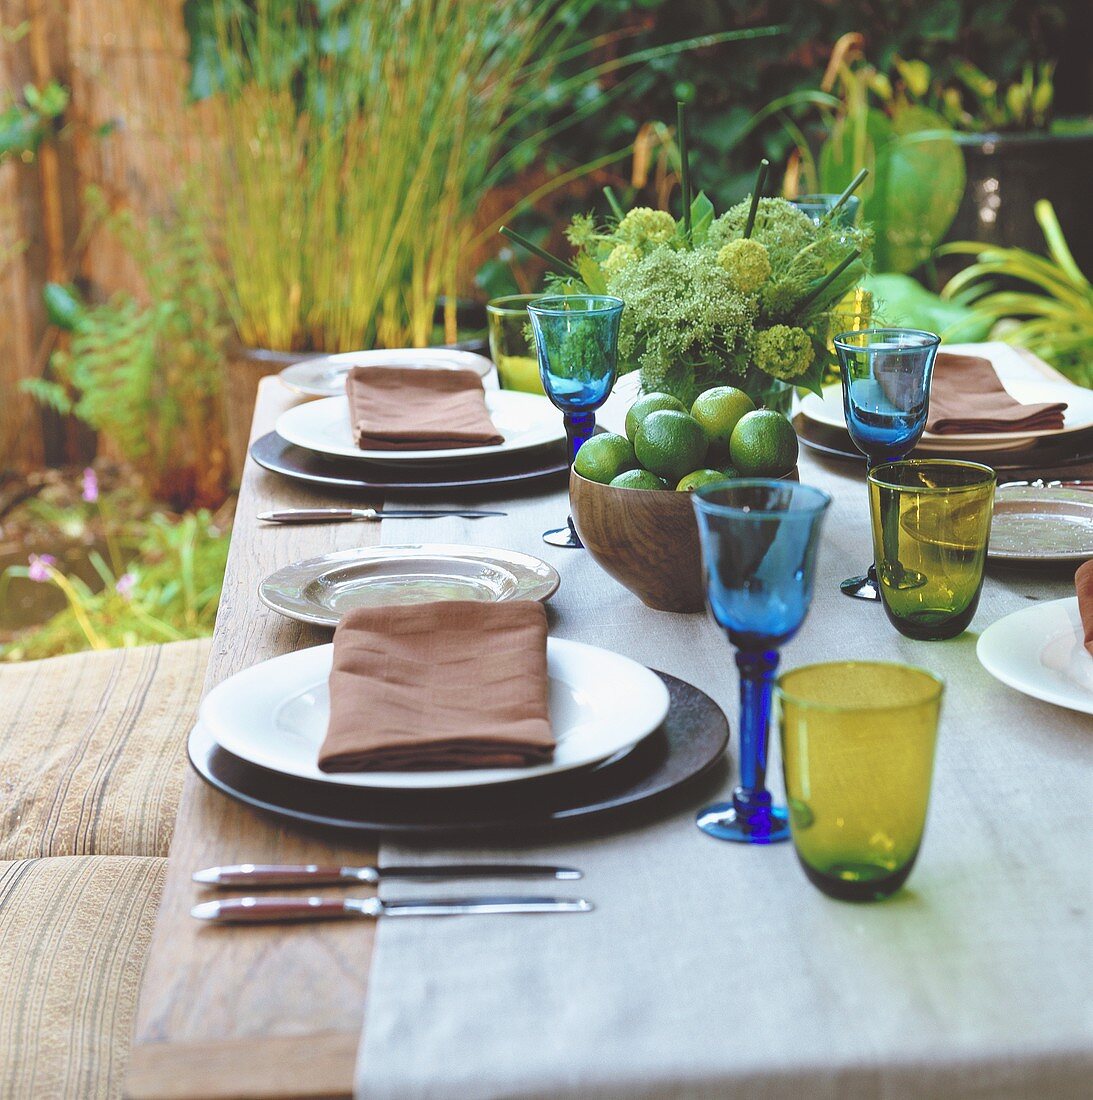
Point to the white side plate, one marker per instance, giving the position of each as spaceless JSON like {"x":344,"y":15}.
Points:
{"x":1038,"y":651}
{"x":275,"y":714}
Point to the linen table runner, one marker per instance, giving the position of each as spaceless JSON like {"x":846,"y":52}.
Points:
{"x":418,"y":408}
{"x":715,"y":970}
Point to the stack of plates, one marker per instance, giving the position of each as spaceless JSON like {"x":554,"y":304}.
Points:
{"x":821,"y":424}
{"x":313,"y":442}
{"x":624,"y":734}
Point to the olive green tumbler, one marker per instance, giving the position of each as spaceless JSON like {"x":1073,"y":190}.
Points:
{"x":858,"y":742}
{"x":931,"y":521}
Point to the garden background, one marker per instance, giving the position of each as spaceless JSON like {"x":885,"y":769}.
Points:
{"x":109,"y":121}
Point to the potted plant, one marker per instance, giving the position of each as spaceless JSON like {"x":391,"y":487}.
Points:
{"x":1015,"y":153}
{"x":352,"y":146}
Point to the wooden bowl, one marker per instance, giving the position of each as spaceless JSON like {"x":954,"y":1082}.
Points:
{"x":647,"y":539}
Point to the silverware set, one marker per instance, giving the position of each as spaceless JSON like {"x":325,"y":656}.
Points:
{"x":254,"y":910}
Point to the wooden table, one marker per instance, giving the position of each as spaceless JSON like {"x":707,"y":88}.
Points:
{"x":275,"y":1012}
{"x":288,"y":1022}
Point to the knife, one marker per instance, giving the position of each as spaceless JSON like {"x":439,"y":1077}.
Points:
{"x":262,"y":910}
{"x":253,"y":875}
{"x":371,"y":515}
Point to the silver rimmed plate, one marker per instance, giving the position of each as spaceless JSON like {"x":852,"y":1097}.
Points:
{"x":275,"y":714}
{"x":321,"y":590}
{"x":1039,"y":651}
{"x":1033,"y":524}
{"x":324,"y":376}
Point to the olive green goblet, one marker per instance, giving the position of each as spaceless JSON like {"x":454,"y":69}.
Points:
{"x":931,"y":522}
{"x":858,"y":742}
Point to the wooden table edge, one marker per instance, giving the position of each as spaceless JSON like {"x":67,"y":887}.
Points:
{"x":257,"y":1069}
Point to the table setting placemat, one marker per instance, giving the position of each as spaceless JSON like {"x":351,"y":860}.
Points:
{"x":713,"y":970}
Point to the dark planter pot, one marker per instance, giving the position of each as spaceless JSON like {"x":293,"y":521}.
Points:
{"x":1007,"y":175}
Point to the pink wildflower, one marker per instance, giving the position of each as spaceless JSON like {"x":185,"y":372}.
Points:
{"x":124,"y":585}
{"x":39,"y":566}
{"x":90,"y":486}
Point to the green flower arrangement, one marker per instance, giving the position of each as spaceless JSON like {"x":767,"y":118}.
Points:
{"x":743,"y":299}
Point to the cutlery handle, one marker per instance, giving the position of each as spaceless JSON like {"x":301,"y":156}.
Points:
{"x":268,"y":910}
{"x":275,"y":874}
{"x":317,"y":515}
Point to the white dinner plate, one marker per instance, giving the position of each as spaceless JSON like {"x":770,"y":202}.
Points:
{"x":324,"y":376}
{"x":526,"y":420}
{"x":828,"y":411}
{"x":321,"y":590}
{"x":275,"y":714}
{"x":1039,"y":651}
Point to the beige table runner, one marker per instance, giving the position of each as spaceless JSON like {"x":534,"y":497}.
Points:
{"x":714,"y":970}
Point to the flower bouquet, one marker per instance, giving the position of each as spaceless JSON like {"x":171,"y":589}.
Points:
{"x":743,"y":299}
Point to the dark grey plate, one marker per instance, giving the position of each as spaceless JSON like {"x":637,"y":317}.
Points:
{"x":688,"y":744}
{"x":281,"y":457}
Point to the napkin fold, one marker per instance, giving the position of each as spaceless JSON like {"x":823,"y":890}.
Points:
{"x":966,"y":396}
{"x":445,"y":685}
{"x":418,"y":409}
{"x":1083,"y":582}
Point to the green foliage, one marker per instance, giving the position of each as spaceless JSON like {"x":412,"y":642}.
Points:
{"x":1051,"y":314}
{"x":903,"y":302}
{"x":716,"y":308}
{"x":917,"y":175}
{"x":147,"y":375}
{"x":25,"y":125}
{"x":170,"y":590}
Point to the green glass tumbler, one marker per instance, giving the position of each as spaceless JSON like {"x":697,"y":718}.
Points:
{"x":931,"y":522}
{"x":512,"y":348}
{"x":858,"y":742}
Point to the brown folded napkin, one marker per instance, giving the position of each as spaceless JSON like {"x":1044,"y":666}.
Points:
{"x":418,"y":409}
{"x":1083,"y":582}
{"x":452,"y":684}
{"x":966,"y":396}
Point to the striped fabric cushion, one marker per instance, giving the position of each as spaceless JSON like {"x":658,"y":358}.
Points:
{"x":74,"y":932}
{"x":93,"y":750}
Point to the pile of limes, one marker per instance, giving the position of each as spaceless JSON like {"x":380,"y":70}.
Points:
{"x":665,"y":446}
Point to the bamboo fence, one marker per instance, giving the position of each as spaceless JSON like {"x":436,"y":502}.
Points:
{"x":124,"y":62}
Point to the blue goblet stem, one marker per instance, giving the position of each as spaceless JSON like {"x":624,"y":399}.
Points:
{"x":752,"y":799}
{"x":578,"y":430}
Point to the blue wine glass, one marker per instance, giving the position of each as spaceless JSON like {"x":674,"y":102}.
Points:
{"x":886,"y":376}
{"x":577,"y":342}
{"x":759,"y":541}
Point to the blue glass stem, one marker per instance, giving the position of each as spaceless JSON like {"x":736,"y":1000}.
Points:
{"x":756,"y":684}
{"x":578,"y":430}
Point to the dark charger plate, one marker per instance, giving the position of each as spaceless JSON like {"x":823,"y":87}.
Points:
{"x":688,"y":744}
{"x":281,"y":457}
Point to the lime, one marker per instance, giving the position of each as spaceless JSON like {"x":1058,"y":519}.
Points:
{"x":670,"y":443}
{"x":646,"y":404}
{"x":638,"y":479}
{"x":699,"y":478}
{"x":719,"y":411}
{"x":729,"y":472}
{"x":604,"y":457}
{"x":763,"y":444}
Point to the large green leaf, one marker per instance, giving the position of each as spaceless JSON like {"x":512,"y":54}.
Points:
{"x":915,"y":184}
{"x":920,"y":182}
